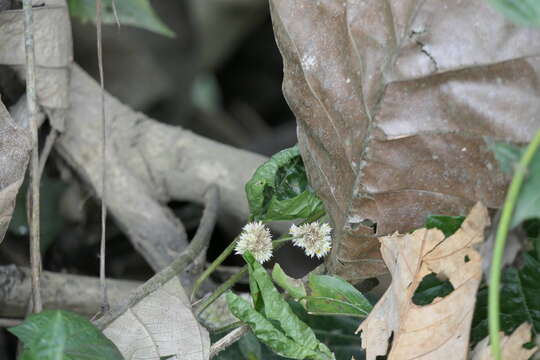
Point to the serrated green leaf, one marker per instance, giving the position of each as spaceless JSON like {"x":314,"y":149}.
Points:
{"x":524,"y":12}
{"x":430,"y":288}
{"x":62,"y":335}
{"x":267,"y":332}
{"x":447,"y":224}
{"x":279,"y":190}
{"x":331,"y":295}
{"x":520,"y":300}
{"x":528,"y":202}
{"x":293,"y":287}
{"x":137,"y":13}
{"x":277,"y":309}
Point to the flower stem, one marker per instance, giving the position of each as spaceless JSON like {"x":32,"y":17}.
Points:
{"x":228,"y":250}
{"x":233,"y":280}
{"x":500,"y":240}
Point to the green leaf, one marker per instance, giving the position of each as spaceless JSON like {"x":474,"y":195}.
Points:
{"x":62,"y":335}
{"x":528,"y":202}
{"x":331,"y":295}
{"x":250,"y":347}
{"x":293,"y":287}
{"x":277,"y":309}
{"x":51,"y":221}
{"x":525,"y":12}
{"x":430,"y":288}
{"x":520,"y":300}
{"x":279,"y":190}
{"x":267,"y":332}
{"x":447,"y":224}
{"x":137,"y":13}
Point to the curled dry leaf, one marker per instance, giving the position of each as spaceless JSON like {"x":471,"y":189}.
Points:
{"x":512,"y":346}
{"x":161,"y":325}
{"x":15,"y":147}
{"x":435,"y":330}
{"x":393,"y":101}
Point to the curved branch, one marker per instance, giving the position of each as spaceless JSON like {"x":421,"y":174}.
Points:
{"x":150,"y":164}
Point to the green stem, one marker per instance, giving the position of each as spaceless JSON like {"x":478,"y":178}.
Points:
{"x":220,"y":290}
{"x":228,"y":327}
{"x":500,"y":240}
{"x":233,"y":280}
{"x":213,"y":267}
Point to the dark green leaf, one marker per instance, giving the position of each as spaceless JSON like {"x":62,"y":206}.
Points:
{"x":293,"y":287}
{"x":430,"y":288}
{"x":447,"y":224}
{"x":51,"y":221}
{"x":520,"y":300}
{"x":250,"y":347}
{"x":267,"y":332}
{"x":279,"y":190}
{"x":277,"y":309}
{"x":137,"y":13}
{"x":528,"y":202}
{"x":62,"y":335}
{"x":331,"y":295}
{"x":525,"y":12}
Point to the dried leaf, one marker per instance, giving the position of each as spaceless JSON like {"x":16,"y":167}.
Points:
{"x":393,"y":104}
{"x":15,"y":147}
{"x":160,"y":325}
{"x":53,"y":50}
{"x":512,"y":346}
{"x":432,"y":331}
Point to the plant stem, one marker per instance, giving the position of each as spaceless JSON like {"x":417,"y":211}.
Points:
{"x":500,"y":240}
{"x":227,"y":327}
{"x":205,"y":303}
{"x":33,"y":215}
{"x":212,"y":267}
{"x":221,"y":289}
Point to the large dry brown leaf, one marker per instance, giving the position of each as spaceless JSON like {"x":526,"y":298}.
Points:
{"x":393,"y":100}
{"x":15,"y":146}
{"x":438,"y":329}
{"x":161,"y":325}
{"x":511,"y":346}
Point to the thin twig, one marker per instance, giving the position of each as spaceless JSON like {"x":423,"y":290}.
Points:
{"x":5,"y":323}
{"x":35,"y":255}
{"x":228,"y":340}
{"x":197,"y":245}
{"x":46,"y":151}
{"x":102,"y":277}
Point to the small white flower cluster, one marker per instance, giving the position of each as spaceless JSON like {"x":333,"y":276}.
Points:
{"x":314,"y":238}
{"x":255,"y":238}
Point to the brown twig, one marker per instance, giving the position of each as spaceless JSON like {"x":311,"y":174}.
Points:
{"x":33,"y":218}
{"x":228,"y":340}
{"x":46,"y":151}
{"x":195,"y":248}
{"x":105,"y":301}
{"x":5,"y":323}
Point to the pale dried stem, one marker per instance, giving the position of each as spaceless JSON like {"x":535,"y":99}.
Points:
{"x":33,"y":218}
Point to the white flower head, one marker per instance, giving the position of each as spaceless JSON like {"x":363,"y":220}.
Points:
{"x":314,"y":238}
{"x":255,"y":238}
